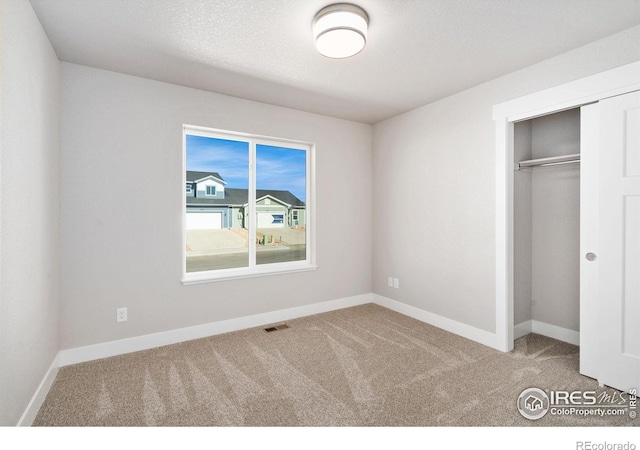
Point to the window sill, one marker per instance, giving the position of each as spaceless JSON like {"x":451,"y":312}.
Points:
{"x":245,"y":272}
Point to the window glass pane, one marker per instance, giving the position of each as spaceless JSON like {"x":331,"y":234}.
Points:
{"x":216,"y":226}
{"x":280,"y":204}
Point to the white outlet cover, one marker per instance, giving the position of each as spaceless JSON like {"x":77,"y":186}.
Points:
{"x":121,"y":314}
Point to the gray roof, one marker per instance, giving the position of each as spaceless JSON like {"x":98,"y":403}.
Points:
{"x":193,"y":175}
{"x":239,"y":197}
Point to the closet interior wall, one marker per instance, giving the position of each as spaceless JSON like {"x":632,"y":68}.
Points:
{"x":547,"y":223}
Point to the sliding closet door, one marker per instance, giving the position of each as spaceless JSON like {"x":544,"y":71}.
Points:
{"x":615,"y":314}
{"x":590,"y":328}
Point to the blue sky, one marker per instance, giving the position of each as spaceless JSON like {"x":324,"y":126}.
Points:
{"x":277,"y":167}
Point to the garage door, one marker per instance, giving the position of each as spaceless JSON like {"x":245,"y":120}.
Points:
{"x":270,"y":220}
{"x":204,"y":221}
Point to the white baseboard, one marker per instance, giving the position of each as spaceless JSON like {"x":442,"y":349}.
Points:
{"x":545,"y":329}
{"x":467,"y":331}
{"x":113,"y":348}
{"x":119,"y":347}
{"x":40,"y":395}
{"x":522,"y":329}
{"x":122,"y":346}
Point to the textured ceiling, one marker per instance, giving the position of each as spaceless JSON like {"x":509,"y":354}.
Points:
{"x":418,"y":51}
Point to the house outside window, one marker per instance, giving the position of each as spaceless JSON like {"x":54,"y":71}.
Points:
{"x":244,"y":188}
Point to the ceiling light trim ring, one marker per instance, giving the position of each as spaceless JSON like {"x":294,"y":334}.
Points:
{"x":341,"y":7}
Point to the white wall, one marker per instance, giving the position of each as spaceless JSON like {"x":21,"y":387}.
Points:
{"x":29,"y":202}
{"x":547,"y":223}
{"x":121,"y":243}
{"x":522,"y":226}
{"x":555,"y":291}
{"x":434,"y":218}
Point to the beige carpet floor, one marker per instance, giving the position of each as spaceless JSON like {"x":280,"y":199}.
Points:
{"x":361,"y":366}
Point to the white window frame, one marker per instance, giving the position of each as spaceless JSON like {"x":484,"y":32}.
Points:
{"x":253,"y":269}
{"x":189,"y":188}
{"x":207,"y":189}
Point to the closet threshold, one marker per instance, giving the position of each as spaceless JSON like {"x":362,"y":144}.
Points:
{"x":551,"y":161}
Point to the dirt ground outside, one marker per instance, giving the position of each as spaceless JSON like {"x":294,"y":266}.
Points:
{"x":201,"y":242}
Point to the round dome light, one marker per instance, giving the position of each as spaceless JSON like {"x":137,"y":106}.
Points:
{"x":340,"y":30}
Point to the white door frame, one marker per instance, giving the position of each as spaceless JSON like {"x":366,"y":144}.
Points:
{"x":574,"y":94}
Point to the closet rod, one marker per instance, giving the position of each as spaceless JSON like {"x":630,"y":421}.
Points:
{"x":552,"y":161}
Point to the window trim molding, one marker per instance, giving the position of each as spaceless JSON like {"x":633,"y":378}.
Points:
{"x":253,"y":270}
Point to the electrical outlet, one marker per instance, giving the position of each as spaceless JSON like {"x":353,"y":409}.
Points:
{"x":390,"y":281}
{"x":396,"y":283}
{"x":121,"y":315}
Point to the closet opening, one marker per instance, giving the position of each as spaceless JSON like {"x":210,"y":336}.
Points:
{"x":600,"y":316}
{"x":546,"y":226}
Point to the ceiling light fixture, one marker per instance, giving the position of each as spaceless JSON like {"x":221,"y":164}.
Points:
{"x":340,"y":30}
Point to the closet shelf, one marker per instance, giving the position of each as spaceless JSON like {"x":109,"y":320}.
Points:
{"x":552,"y":161}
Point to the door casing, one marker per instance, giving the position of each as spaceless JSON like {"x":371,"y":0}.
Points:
{"x":620,"y":80}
